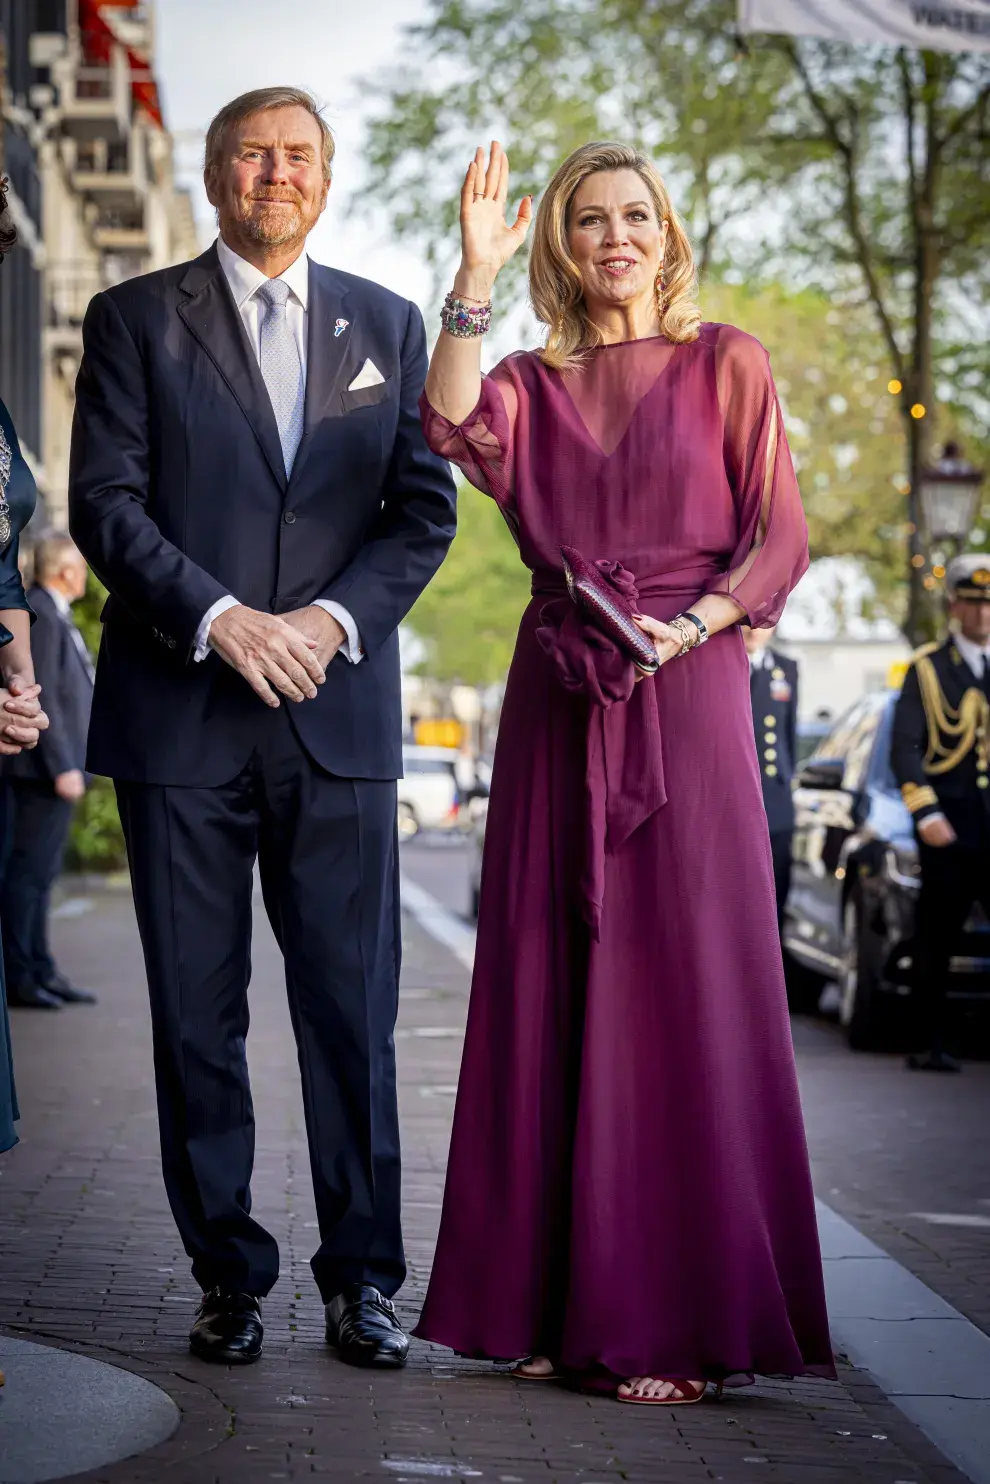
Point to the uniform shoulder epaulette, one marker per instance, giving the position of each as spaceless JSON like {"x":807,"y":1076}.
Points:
{"x":923,"y":649}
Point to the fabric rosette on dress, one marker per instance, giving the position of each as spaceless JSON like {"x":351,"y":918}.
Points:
{"x":624,"y":762}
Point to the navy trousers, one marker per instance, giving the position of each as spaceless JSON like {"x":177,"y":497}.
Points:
{"x":327,"y":851}
{"x":37,"y":831}
{"x":781,"y":845}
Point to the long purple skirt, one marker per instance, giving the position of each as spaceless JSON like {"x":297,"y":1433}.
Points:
{"x":628,"y":1189}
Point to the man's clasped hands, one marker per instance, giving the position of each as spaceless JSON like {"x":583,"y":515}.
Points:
{"x":22,"y":717}
{"x":286,"y":652}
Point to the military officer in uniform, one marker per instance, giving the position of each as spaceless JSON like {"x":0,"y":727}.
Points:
{"x":939,"y":757}
{"x":773,"y":681}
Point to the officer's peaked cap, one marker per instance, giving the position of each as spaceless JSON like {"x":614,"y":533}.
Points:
{"x":968,"y":576}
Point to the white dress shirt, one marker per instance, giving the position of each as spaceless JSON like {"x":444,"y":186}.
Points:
{"x":245,"y":280}
{"x":64,"y":608}
{"x":975,"y":655}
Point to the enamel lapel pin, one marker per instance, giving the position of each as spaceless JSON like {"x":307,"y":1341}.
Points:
{"x":339,"y":328}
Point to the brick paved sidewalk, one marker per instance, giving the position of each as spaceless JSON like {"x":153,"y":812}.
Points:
{"x":90,"y":1261}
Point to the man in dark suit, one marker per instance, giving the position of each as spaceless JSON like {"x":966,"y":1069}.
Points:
{"x":251,"y":482}
{"x":939,"y":757}
{"x":773,"y":680}
{"x":44,"y":785}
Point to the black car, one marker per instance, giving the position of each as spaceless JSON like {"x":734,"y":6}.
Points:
{"x":850,"y":912}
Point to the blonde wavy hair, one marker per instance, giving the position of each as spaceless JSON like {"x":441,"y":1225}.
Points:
{"x":555,"y":284}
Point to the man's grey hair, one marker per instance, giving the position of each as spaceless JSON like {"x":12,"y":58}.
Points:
{"x":259,"y":100}
{"x":52,"y":552}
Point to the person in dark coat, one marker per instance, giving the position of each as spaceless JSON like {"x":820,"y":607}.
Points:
{"x":45,"y":784}
{"x":773,"y":684}
{"x":250,"y":480}
{"x":939,"y":754}
{"x":21,"y":717}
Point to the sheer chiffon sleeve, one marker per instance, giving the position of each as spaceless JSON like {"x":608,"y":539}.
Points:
{"x":481,"y":446}
{"x":771,"y":554}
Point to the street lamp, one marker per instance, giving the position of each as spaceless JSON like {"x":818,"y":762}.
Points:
{"x":950,"y":488}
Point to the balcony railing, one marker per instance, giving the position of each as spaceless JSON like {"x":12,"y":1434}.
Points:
{"x":96,"y":101}
{"x":93,"y":83}
{"x":112,"y":173}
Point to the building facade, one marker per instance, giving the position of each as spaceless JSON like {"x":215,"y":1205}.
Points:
{"x":93,"y":195}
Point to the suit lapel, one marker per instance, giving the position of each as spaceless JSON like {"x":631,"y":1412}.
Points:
{"x":211,"y":316}
{"x":327,"y":355}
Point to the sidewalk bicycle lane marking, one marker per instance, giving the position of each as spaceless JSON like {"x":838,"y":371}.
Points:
{"x":441,"y":924}
{"x":930,"y":1360}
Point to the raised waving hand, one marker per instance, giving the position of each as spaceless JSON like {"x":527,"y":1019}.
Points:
{"x":487,"y":240}
{"x":487,"y":243}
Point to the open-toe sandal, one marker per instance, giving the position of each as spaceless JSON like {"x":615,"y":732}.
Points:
{"x":692,"y":1393}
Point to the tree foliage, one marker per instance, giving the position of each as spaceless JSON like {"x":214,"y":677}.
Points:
{"x":842,"y":423}
{"x":96,"y":841}
{"x":468,"y":616}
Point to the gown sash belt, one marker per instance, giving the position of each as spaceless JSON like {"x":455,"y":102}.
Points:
{"x":624,"y":759}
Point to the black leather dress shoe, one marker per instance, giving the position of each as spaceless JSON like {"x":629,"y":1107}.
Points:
{"x":32,"y":997}
{"x":362,"y":1324}
{"x":227,"y":1328}
{"x":934,"y":1061}
{"x":60,"y":987}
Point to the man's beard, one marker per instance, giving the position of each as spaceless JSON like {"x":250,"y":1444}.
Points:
{"x":273,"y":226}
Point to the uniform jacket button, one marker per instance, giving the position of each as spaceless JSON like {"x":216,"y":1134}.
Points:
{"x":290,"y":517}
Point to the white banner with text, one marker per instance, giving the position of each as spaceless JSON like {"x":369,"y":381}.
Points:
{"x":933,"y":25}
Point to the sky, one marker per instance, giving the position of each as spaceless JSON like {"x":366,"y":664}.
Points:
{"x":208,"y":51}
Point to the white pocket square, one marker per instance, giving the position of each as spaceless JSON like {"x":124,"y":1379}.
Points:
{"x":369,"y":375}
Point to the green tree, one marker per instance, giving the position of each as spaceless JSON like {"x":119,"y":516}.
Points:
{"x":842,"y":423}
{"x":96,"y":841}
{"x":468,"y":616}
{"x":862,"y":171}
{"x":888,"y":163}
{"x":553,"y":74}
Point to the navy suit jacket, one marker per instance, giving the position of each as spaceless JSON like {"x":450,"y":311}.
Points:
{"x":178,"y":496}
{"x":67,"y":694}
{"x":774,"y":691}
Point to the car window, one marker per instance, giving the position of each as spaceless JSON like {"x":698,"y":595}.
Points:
{"x":837,"y":743}
{"x":859,"y":746}
{"x":881,"y":769}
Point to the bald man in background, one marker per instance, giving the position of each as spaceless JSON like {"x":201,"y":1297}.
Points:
{"x":44,"y":785}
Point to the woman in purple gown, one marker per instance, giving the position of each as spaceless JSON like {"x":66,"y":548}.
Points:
{"x":628,"y":1198}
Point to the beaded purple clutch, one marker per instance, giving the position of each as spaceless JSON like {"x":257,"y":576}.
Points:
{"x":607,"y":609}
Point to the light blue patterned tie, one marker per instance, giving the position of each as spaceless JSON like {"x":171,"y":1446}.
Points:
{"x":281,"y":369}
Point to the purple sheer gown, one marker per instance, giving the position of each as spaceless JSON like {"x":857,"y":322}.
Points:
{"x":628,"y":1189}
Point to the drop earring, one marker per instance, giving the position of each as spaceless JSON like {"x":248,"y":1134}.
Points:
{"x":661,"y":289}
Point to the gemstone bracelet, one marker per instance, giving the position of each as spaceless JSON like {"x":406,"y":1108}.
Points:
{"x":464,"y":320}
